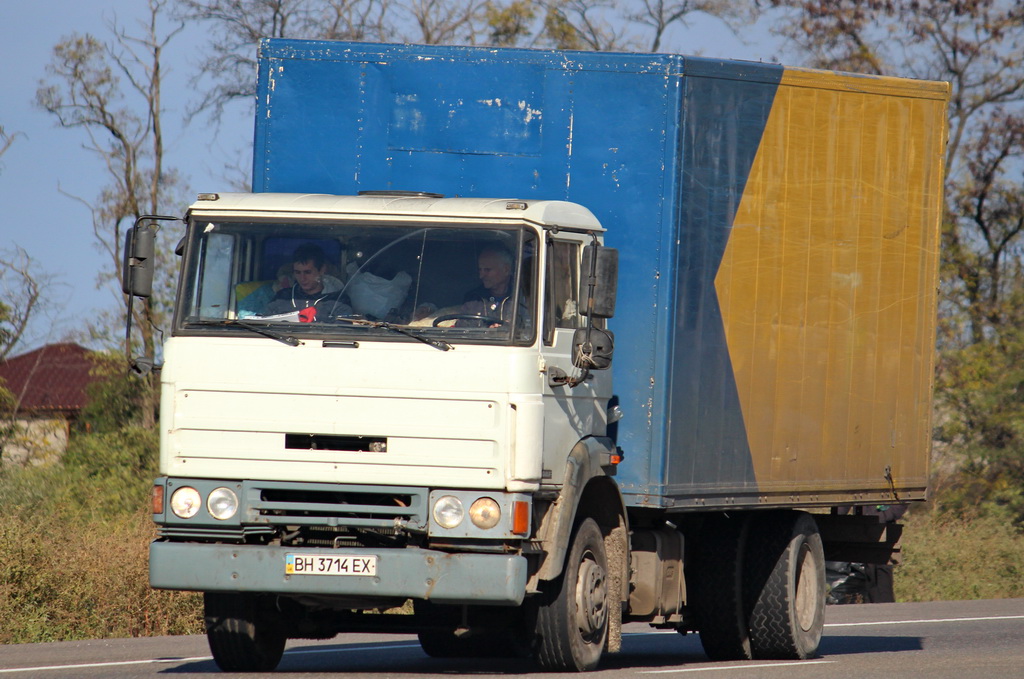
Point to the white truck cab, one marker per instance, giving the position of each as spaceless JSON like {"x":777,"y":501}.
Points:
{"x":373,"y":389}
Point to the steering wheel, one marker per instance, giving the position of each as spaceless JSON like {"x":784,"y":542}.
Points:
{"x":489,"y":320}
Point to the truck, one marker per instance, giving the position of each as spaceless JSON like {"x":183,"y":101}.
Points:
{"x":546,"y":342}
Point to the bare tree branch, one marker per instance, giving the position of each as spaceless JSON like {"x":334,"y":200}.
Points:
{"x":122,"y":123}
{"x":21,"y":284}
{"x":7,"y":140}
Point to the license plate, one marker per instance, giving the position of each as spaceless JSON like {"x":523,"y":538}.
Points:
{"x":320,"y":564}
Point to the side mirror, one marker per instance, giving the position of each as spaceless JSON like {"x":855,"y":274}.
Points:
{"x":598,"y":281}
{"x":592,"y":348}
{"x":139,"y":251}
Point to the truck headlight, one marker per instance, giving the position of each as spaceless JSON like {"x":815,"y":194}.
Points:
{"x":185,"y":502}
{"x":448,"y":511}
{"x":485,"y":513}
{"x":222,"y":503}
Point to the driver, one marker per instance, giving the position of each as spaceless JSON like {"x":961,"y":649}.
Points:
{"x":493,"y":297}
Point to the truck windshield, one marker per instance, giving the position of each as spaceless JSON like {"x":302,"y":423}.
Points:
{"x":444,"y":282}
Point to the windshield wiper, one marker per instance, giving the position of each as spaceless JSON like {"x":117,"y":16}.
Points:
{"x":273,"y":334}
{"x":255,"y":327}
{"x":437,"y":344}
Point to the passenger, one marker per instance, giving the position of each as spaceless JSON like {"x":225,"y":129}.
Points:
{"x":313,"y":287}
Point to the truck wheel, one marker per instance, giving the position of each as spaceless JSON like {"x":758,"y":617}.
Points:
{"x":719,"y":609}
{"x":785,"y":586}
{"x":572,"y":616}
{"x":239,"y":639}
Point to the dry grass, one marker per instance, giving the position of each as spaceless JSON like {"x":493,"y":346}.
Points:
{"x":89,"y":582}
{"x":949,"y":558}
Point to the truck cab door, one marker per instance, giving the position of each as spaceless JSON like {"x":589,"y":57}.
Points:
{"x":570,"y":413}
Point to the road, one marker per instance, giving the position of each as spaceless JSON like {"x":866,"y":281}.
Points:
{"x":943,"y":640}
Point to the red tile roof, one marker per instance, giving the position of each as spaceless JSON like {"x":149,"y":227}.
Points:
{"x":51,"y":378}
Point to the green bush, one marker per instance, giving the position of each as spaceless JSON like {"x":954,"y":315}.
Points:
{"x":85,"y":580}
{"x":979,"y":555}
{"x":115,"y":398}
{"x":115,"y":469}
{"x":74,"y":539}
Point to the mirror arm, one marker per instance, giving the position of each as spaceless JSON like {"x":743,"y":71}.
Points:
{"x":145,"y":364}
{"x":591,"y":289}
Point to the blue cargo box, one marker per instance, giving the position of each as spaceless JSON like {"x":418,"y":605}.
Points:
{"x":777,"y":228}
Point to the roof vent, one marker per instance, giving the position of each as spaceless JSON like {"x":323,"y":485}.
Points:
{"x":402,"y":194}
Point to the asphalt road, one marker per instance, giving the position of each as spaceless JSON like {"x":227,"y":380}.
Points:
{"x":944,"y":640}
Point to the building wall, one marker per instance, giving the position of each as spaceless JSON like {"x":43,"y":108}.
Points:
{"x":35,"y":441}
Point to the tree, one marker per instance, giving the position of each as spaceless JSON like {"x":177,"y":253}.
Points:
{"x":510,"y":24}
{"x":21,"y":285}
{"x":7,"y":140}
{"x":448,"y":22}
{"x":584,"y":25}
{"x":608,"y":25}
{"x":236,"y":26}
{"x":114,"y":399}
{"x":976,"y":46}
{"x":660,"y":15}
{"x":112,"y":92}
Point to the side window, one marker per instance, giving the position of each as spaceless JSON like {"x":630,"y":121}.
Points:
{"x":525,"y":327}
{"x":215,"y":282}
{"x":561,"y":306}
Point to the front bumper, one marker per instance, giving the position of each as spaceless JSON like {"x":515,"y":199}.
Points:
{"x":403,"y":573}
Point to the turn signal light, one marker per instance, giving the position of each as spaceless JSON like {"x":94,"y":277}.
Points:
{"x":520,"y":518}
{"x":157,"y":499}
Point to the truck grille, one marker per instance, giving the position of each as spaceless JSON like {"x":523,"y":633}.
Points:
{"x":322,"y":504}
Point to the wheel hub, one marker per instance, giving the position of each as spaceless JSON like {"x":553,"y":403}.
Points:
{"x":807,"y":595}
{"x":591,"y":598}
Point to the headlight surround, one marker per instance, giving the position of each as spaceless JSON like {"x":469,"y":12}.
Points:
{"x":448,"y":511}
{"x":185,"y":502}
{"x":222,"y":504}
{"x":485,"y":513}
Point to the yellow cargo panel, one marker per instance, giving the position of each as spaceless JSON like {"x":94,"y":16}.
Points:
{"x":828,"y":283}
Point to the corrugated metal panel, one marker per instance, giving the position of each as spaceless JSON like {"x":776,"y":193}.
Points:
{"x":725,"y":110}
{"x":828,"y":284}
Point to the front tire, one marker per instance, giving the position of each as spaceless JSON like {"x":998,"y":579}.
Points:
{"x":786,"y":577}
{"x":572,"y":618}
{"x":241,"y":639}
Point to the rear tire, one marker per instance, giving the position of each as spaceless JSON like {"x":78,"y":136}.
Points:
{"x":572,"y":617}
{"x":241,"y":639}
{"x":719,"y":608}
{"x":785,"y":586}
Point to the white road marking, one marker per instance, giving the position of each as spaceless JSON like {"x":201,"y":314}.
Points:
{"x":78,"y":666}
{"x":198,"y":658}
{"x":869,"y":624}
{"x":717,"y":668}
{"x":917,"y":622}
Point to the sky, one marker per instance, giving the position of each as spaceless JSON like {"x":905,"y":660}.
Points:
{"x":47,"y":177}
